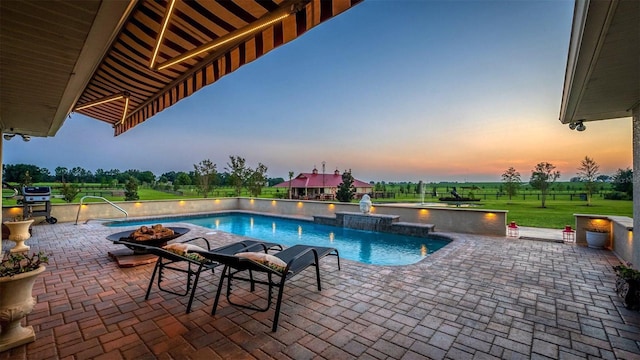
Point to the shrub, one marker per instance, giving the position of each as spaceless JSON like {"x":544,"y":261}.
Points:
{"x":617,"y":195}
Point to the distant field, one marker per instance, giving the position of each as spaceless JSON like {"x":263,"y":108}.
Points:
{"x":562,"y":203}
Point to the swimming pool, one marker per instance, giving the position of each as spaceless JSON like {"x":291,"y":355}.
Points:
{"x":364,"y":246}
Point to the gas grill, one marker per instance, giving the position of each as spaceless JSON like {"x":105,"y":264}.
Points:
{"x":37,"y":196}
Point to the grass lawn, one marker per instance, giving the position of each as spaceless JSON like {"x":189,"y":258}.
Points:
{"x":557,"y":213}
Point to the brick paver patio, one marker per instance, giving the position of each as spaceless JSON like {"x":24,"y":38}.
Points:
{"x":479,"y":297}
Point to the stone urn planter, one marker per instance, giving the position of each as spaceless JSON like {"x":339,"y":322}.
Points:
{"x":365,"y":204}
{"x":16,"y":302}
{"x":19,"y":233}
{"x":597,"y":239}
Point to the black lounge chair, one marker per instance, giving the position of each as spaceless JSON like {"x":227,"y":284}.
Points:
{"x":169,"y":260}
{"x":297,"y":258}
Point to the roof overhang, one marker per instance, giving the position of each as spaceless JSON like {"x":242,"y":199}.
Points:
{"x":602,"y":79}
{"x":49,"y":51}
{"x":114,"y":60}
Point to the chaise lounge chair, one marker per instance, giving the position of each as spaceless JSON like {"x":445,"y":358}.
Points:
{"x":170,"y":259}
{"x":287,"y":264}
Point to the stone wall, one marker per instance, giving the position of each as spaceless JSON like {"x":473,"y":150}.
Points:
{"x":471,"y":221}
{"x":620,"y":232}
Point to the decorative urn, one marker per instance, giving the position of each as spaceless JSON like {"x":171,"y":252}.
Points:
{"x":365,"y":204}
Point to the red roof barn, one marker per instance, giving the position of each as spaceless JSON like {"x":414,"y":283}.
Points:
{"x":321,"y":186}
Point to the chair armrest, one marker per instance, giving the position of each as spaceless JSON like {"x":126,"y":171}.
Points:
{"x":298,"y":256}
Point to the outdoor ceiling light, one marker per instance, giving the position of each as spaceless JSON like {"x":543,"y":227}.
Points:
{"x":577,"y":125}
{"x":25,"y":138}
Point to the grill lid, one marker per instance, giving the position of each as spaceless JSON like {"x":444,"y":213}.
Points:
{"x":36,"y":191}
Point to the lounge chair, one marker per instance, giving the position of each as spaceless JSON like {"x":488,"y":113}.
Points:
{"x":171,"y":260}
{"x":295,"y":259}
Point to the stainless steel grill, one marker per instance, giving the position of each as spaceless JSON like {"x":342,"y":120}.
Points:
{"x":36,"y":193}
{"x":34,"y":198}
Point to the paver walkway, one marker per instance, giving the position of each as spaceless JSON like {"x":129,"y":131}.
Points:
{"x":479,"y":297}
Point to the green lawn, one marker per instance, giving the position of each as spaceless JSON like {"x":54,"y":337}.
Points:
{"x":557,"y":213}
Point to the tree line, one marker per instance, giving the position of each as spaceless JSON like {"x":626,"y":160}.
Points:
{"x":544,"y":174}
{"x":24,"y":174}
{"x":204,"y":177}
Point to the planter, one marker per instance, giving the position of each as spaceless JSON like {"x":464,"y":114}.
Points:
{"x":597,"y":240}
{"x":19,"y":233}
{"x":629,"y":291}
{"x":16,"y":301}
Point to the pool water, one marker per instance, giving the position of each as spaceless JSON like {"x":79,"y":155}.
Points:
{"x":364,"y":246}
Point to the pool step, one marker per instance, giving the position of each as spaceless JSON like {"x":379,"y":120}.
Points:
{"x":412,"y":229}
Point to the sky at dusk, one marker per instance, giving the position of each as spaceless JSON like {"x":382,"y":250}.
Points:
{"x":394,"y":90}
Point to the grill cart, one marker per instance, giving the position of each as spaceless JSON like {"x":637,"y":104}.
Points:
{"x":37,"y":196}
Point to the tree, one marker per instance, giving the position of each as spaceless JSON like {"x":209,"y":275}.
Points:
{"x":131,"y":189}
{"x":542,"y":176}
{"x":290,"y":179}
{"x":346,"y":190}
{"x":238,"y":173}
{"x":147,"y":177}
{"x":182,"y":178}
{"x":588,"y":172}
{"x":512,"y":182}
{"x":15,"y":173}
{"x":26,"y":180}
{"x":623,"y":181}
{"x":274,"y":181}
{"x":69,"y":191}
{"x":169,"y":176}
{"x":205,"y":174}
{"x":257,"y":180}
{"x":100,"y":176}
{"x":80,"y":175}
{"x":61,"y":173}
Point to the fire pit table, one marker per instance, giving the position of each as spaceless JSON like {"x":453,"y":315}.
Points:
{"x":133,"y":257}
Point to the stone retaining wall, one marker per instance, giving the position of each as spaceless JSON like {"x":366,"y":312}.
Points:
{"x":470,"y":221}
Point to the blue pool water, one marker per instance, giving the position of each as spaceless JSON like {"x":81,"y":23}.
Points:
{"x":364,"y":246}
